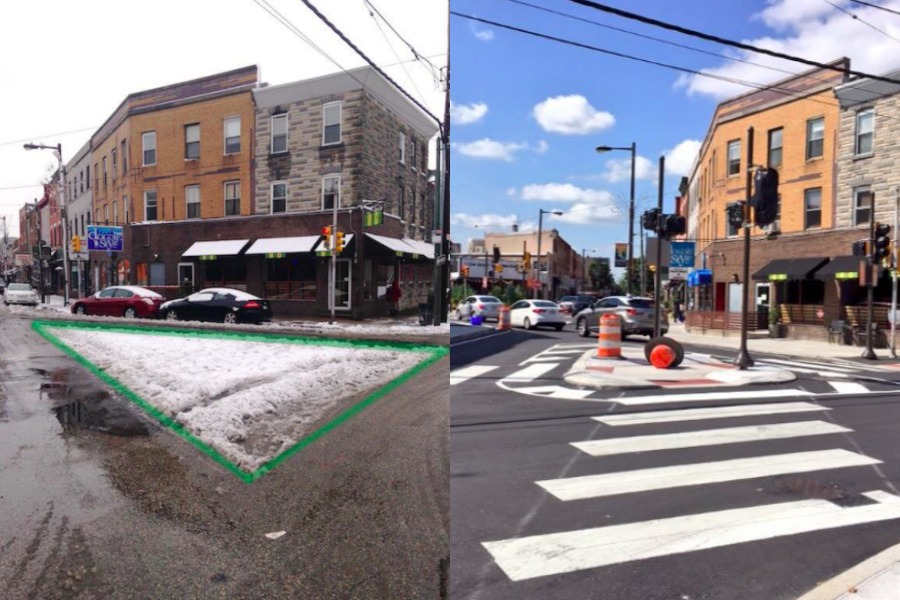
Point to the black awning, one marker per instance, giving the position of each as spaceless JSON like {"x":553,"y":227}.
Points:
{"x":789,"y":269}
{"x":840,"y":267}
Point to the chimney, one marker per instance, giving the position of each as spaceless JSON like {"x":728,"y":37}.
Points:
{"x":515,"y":227}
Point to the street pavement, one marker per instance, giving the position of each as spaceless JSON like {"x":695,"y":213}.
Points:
{"x":877,"y":578}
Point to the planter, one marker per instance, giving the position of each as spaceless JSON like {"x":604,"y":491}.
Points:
{"x":776,"y":330}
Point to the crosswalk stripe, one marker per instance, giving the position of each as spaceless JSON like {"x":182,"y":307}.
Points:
{"x":718,"y":412}
{"x":466,"y":373}
{"x":531,"y":372}
{"x":556,"y":391}
{"x":657,"y":478}
{"x":710,"y":437}
{"x":711,"y":396}
{"x":815,"y":367}
{"x":551,"y":554}
{"x":814,"y":371}
{"x":848,"y":387}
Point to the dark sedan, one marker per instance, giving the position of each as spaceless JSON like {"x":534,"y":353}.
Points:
{"x":222,"y":305}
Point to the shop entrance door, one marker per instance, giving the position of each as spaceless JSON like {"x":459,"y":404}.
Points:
{"x":342,"y":287}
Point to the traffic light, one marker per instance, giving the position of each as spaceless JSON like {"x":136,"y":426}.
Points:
{"x":526,"y":260}
{"x":764,"y":200}
{"x":496,"y":254}
{"x":882,"y":242}
{"x":498,"y":268}
{"x":339,"y":241}
{"x":735,"y":212}
{"x":860,"y":248}
{"x":465,"y":270}
{"x":326,"y":243}
{"x":650,"y":219}
{"x":76,"y":244}
{"x":675,"y":225}
{"x":652,"y":268}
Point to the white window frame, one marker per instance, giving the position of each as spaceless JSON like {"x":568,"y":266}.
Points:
{"x":125,"y":207}
{"x":325,"y":179}
{"x":187,"y":143}
{"x":225,"y":136}
{"x":857,"y":193}
{"x":810,"y":132}
{"x":325,"y":121}
{"x":148,"y":135}
{"x":868,"y":112}
{"x":279,"y":118}
{"x":807,"y":195}
{"x":114,"y":153}
{"x":188,"y":190}
{"x":115,"y":212}
{"x":402,"y":148}
{"x":272,"y":196}
{"x":728,"y":158}
{"x":237,"y":185}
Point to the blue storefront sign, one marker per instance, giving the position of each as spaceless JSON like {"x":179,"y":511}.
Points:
{"x":104,"y":238}
{"x":682,"y":254}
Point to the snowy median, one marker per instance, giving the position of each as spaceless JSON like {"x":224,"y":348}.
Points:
{"x":248,"y":399}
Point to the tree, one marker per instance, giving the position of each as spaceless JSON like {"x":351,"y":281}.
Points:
{"x":601,"y":275}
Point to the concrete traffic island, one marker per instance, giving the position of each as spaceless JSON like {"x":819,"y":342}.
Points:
{"x":634,"y":371}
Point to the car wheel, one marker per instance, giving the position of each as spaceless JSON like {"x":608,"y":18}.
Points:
{"x":582,"y":327}
{"x":80,"y":310}
{"x":527,"y":323}
{"x":171,"y":315}
{"x":230,"y":317}
{"x":130,"y":313}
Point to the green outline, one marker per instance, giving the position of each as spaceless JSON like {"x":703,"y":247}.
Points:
{"x":435,"y":352}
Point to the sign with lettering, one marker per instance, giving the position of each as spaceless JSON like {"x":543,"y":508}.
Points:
{"x":105,"y":238}
{"x":682,"y":254}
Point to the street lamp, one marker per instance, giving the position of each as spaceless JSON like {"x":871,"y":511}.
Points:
{"x":628,"y":268}
{"x":537,"y":266}
{"x":63,"y":213}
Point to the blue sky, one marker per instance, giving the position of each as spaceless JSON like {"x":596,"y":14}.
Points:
{"x":528,"y":113}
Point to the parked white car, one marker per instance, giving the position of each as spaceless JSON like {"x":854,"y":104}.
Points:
{"x":536,"y":313}
{"x":20,"y":293}
{"x":487,"y":307}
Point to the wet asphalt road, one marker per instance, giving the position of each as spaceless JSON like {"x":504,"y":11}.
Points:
{"x":99,"y":501}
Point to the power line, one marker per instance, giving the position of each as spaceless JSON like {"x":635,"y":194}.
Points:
{"x":394,"y":52}
{"x":418,"y":56}
{"x":857,"y":18}
{"x":38,"y":137}
{"x":714,"y":38}
{"x":19,"y":187}
{"x":885,"y":9}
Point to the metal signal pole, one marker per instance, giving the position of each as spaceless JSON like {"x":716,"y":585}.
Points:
{"x":743,"y":360}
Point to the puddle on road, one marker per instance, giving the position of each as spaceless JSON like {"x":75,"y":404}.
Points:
{"x":79,"y":403}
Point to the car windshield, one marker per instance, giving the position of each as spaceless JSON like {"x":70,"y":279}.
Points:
{"x":640,"y":303}
{"x":489,"y":300}
{"x":544,"y":304}
{"x":19,"y":287}
{"x":569,"y":299}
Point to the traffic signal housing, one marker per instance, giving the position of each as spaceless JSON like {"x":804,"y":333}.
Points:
{"x":326,"y":231}
{"x":339,"y":241}
{"x":882,"y":243}
{"x":496,"y":255}
{"x":465,"y":270}
{"x":650,"y":219}
{"x":861,"y":248}
{"x":76,"y":244}
{"x":526,"y":260}
{"x":764,"y":200}
{"x":735,"y":212}
{"x":675,"y":225}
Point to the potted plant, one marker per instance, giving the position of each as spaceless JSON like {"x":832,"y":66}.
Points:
{"x":774,"y":321}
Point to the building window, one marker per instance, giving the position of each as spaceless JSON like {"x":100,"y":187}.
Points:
{"x":87,"y":175}
{"x":279,"y":133}
{"x":402,"y":148}
{"x":863,"y":197}
{"x":730,"y":229}
{"x":192,"y":197}
{"x":124,"y":159}
{"x":150,"y":205}
{"x":331,"y":192}
{"x":125,"y":208}
{"x":106,"y":214}
{"x":192,"y":141}
{"x":401,"y":202}
{"x":114,"y":162}
{"x":104,"y":171}
{"x":279,"y":197}
{"x":233,"y":135}
{"x":865,"y":132}
{"x":775,"y":136}
{"x":815,"y":137}
{"x":331,"y":123}
{"x":413,"y":147}
{"x":812,"y":203}
{"x":115,"y":213}
{"x":734,"y":157}
{"x":148,"y":140}
{"x":232,"y":198}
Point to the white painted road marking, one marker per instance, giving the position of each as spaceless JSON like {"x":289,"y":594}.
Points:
{"x":848,"y":387}
{"x":531,"y":372}
{"x":551,"y":554}
{"x":809,"y":367}
{"x":710,"y":437}
{"x":711,"y":396}
{"x":697,"y":414}
{"x":466,"y":373}
{"x":658,"y":478}
{"x":556,"y":391}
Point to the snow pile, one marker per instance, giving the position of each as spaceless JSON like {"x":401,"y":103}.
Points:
{"x":249,"y":400}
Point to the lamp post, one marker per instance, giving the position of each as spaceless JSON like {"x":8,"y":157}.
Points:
{"x":537,"y":265}
{"x":63,"y":214}
{"x":629,"y":267}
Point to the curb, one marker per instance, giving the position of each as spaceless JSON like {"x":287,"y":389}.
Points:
{"x":847,"y":582}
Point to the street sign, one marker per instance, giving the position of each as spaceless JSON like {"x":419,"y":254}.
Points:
{"x":678,"y":273}
{"x":441,"y":259}
{"x":437,"y":236}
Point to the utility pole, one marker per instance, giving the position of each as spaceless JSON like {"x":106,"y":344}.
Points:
{"x":657,"y":274}
{"x":743,"y":360}
{"x":894,"y":268}
{"x":871,"y":272}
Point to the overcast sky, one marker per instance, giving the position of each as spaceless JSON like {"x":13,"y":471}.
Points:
{"x":66,"y":66}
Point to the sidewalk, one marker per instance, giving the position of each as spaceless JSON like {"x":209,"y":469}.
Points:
{"x":877,"y":578}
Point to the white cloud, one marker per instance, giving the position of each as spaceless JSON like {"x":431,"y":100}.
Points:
{"x":488,"y":222}
{"x":680,"y":159}
{"x":485,"y":35}
{"x":492,"y":149}
{"x":619,"y":169}
{"x":808,"y":29}
{"x":571,"y":115}
{"x":466,"y":114}
{"x":511,"y":192}
{"x":588,"y":205}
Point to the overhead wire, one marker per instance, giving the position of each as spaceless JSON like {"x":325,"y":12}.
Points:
{"x":857,"y":18}
{"x":38,"y":137}
{"x":435,"y":70}
{"x":879,"y":7}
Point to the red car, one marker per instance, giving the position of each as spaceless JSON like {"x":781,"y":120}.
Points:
{"x":127,"y":301}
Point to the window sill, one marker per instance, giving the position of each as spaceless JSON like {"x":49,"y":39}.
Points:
{"x":280,"y":153}
{"x":232,"y":153}
{"x":863,"y":156}
{"x":332,"y":145}
{"x":149,"y":165}
{"x":814,"y":158}
{"x":191,"y":159}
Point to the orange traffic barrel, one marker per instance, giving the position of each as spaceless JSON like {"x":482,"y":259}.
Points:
{"x":662,"y":357}
{"x":609,"y":340}
{"x":503,"y":319}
